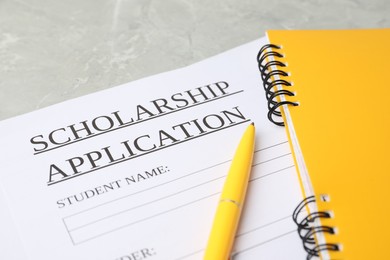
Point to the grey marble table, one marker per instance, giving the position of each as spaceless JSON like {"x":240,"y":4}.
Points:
{"x":51,"y":51}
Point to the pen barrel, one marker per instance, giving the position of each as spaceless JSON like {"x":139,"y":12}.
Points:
{"x":221,"y":239}
{"x":228,"y":213}
{"x":236,"y":182}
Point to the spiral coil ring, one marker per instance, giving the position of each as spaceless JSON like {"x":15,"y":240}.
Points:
{"x":273,"y":78}
{"x":307,"y":230}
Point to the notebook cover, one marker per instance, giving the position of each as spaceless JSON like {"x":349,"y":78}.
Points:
{"x":342,"y":123}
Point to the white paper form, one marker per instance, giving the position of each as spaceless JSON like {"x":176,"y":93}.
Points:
{"x":10,"y":244}
{"x":135,"y":172}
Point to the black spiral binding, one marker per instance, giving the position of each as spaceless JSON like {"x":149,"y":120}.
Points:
{"x":270,"y":68}
{"x":275,"y":84}
{"x":307,"y":230}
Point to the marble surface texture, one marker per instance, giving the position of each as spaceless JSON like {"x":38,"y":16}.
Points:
{"x":51,"y":51}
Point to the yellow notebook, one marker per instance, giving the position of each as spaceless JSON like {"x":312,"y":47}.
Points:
{"x":333,"y":90}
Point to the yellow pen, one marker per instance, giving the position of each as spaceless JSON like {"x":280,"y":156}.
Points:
{"x":232,"y":199}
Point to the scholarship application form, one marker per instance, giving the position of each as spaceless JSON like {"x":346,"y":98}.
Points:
{"x":135,"y":172}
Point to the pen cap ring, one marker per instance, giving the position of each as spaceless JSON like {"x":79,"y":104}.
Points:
{"x":238,"y":204}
